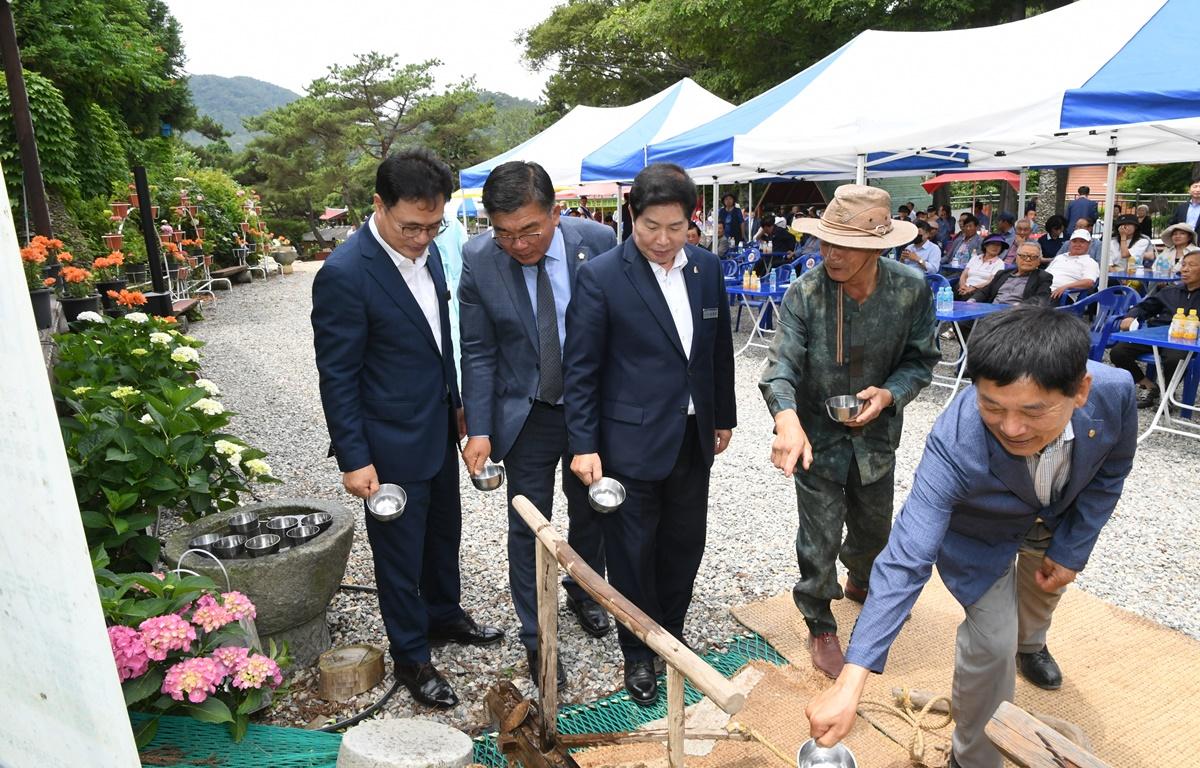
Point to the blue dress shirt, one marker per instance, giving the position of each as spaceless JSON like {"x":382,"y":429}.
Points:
{"x":560,"y":282}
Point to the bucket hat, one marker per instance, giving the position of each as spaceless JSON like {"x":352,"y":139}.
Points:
{"x":859,"y":217}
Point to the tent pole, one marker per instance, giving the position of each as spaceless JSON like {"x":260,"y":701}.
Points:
{"x":1110,"y":197}
{"x":1021,"y":192}
{"x":716,"y":221}
{"x":749,"y":208}
{"x":860,"y":170}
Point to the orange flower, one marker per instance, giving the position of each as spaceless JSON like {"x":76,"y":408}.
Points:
{"x":116,"y":258}
{"x":128,"y":298}
{"x":168,"y":319}
{"x":65,"y":258}
{"x":34,"y":254}
{"x":49,"y":281}
{"x":75,"y":275}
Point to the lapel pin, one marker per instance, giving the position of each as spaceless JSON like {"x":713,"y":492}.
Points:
{"x":581,"y":256}
{"x":695,"y":270}
{"x":1091,"y":433}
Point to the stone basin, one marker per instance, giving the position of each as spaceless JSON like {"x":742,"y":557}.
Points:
{"x":291,"y":589}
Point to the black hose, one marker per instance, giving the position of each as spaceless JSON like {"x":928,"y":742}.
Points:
{"x":364,"y":714}
{"x":358,"y":588}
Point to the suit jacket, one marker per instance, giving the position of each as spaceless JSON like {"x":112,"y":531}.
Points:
{"x":1180,"y":214}
{"x":499,"y":337}
{"x":387,"y":392}
{"x":1081,"y":208}
{"x":626,"y":375}
{"x":972,"y":503}
{"x":1037,"y":287}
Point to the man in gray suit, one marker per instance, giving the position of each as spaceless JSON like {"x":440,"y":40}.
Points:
{"x":515,"y":286}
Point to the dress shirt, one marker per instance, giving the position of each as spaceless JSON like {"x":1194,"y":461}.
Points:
{"x":419,"y":281}
{"x":1093,"y":249}
{"x":1050,"y":468}
{"x":1193,"y":214}
{"x":674,"y":289}
{"x":929,"y":252}
{"x":560,"y":281}
{"x":1069,"y":269}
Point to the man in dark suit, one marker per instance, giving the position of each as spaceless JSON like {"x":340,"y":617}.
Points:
{"x":1019,"y":476}
{"x":1188,"y":212}
{"x":516,"y":285}
{"x":381,"y":329}
{"x":650,"y":401}
{"x":1026,"y":284}
{"x":1082,"y":207}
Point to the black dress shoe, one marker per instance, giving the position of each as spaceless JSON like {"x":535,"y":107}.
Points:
{"x":465,"y":632}
{"x":426,"y":685}
{"x":1041,"y":669}
{"x":592,"y":617}
{"x":532,"y":657}
{"x":641,"y":682}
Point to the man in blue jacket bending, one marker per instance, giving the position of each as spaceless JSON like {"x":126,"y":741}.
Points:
{"x":1019,"y":475}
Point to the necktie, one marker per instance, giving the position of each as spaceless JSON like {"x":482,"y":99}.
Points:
{"x":550,"y":380}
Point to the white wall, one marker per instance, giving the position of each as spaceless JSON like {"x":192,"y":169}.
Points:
{"x":60,"y":700}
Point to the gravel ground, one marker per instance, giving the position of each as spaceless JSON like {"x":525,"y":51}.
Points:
{"x":260,"y":353}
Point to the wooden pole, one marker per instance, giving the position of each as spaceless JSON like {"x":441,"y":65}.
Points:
{"x":547,"y":603}
{"x":1030,"y":743}
{"x":675,"y":716}
{"x":674,"y":653}
{"x":31,"y":167}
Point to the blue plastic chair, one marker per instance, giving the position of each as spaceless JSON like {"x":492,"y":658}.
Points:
{"x":936,"y":282}
{"x":730,"y":267}
{"x":1110,"y":305}
{"x":784,"y":273}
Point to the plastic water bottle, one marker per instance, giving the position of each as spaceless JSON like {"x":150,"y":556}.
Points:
{"x":1176,"y":331}
{"x":1162,"y":264}
{"x":773,"y":282}
{"x":945,"y":300}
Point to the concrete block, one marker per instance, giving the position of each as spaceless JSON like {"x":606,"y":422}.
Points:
{"x":405,"y":743}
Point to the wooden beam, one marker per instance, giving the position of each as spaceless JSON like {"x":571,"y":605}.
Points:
{"x":504,"y":704}
{"x":31,"y":167}
{"x":547,"y":672}
{"x":1030,"y":743}
{"x":675,"y":717}
{"x":674,"y":653}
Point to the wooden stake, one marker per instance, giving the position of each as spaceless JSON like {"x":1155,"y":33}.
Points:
{"x":547,"y":602}
{"x":674,"y":653}
{"x":1030,"y":743}
{"x":675,"y":715}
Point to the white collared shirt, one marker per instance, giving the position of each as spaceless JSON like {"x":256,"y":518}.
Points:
{"x":419,"y":281}
{"x":674,"y":288}
{"x":1051,"y":467}
{"x":1067,"y":269}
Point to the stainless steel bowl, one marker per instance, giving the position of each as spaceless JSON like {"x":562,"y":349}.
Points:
{"x":262,"y":545}
{"x":606,"y":495}
{"x":844,"y":408}
{"x":302,"y":534}
{"x":244,"y":523}
{"x":204,"y":542}
{"x":320,"y":519}
{"x":813,"y":756}
{"x":280,"y":525}
{"x":489,"y":478}
{"x":229,"y":547}
{"x":387,"y":503}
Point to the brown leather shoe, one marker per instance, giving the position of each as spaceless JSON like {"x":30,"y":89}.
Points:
{"x":826,"y":651}
{"x":855,"y":592}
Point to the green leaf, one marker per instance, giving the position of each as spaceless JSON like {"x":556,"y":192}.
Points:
{"x":252,"y":701}
{"x":147,"y":548}
{"x":116,"y":454}
{"x":144,"y":733}
{"x":211,"y":710}
{"x":237,"y":729}
{"x":142,"y":687}
{"x":93,"y":519}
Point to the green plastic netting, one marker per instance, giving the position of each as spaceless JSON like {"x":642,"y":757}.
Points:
{"x":618,"y":713}
{"x":182,"y":742}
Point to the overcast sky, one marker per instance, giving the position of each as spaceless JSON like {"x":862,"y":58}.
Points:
{"x":291,"y":43}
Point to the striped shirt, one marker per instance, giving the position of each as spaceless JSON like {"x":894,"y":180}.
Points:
{"x":1051,"y":467}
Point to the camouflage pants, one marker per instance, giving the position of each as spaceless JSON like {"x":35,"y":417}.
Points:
{"x":824,"y":506}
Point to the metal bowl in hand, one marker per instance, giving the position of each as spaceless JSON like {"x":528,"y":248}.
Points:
{"x":811,"y":755}
{"x":844,"y":408}
{"x":387,"y":503}
{"x":489,"y":478}
{"x":606,"y":495}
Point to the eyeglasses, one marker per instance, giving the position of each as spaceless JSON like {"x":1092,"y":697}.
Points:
{"x":433,"y":230}
{"x":528,"y":237}
{"x":1028,"y":256}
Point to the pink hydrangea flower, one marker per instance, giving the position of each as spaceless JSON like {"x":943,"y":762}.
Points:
{"x":257,"y":670}
{"x":231,"y":659}
{"x":129,"y":651}
{"x":238,"y":605}
{"x":163,"y":634}
{"x":210,"y":615}
{"x":197,"y":677}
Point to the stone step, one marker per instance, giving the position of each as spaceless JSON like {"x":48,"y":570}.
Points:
{"x":404,"y":743}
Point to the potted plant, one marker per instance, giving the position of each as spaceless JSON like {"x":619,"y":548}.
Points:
{"x":41,"y":288}
{"x":122,"y":301}
{"x":78,"y":289}
{"x":108,"y":272}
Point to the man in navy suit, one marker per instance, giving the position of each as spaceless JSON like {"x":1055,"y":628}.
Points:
{"x":381,"y":329}
{"x":1026,"y":466}
{"x":650,"y":401}
{"x":1083,"y":207}
{"x":516,"y":284}
{"x":1188,"y":212}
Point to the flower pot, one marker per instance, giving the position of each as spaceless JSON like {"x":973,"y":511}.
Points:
{"x":120,"y":210}
{"x":245,"y":225}
{"x":199,"y":233}
{"x":154,"y":212}
{"x":109,"y":285}
{"x":208,"y":259}
{"x":193,"y":211}
{"x":113,"y":241}
{"x":72,"y":307}
{"x":52,"y":270}
{"x":41,"y":307}
{"x":284,"y":255}
{"x":288,"y":269}
{"x":133,"y":199}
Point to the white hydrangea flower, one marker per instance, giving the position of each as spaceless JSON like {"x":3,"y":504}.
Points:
{"x":158,"y":337}
{"x":80,"y":390}
{"x":185,"y":355}
{"x":137,"y":317}
{"x":146,"y":419}
{"x":208,"y":406}
{"x":228,"y":448}
{"x":257,"y":467}
{"x":90,"y":317}
{"x":120,"y":393}
{"x":208,"y":386}
{"x":139,"y":352}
